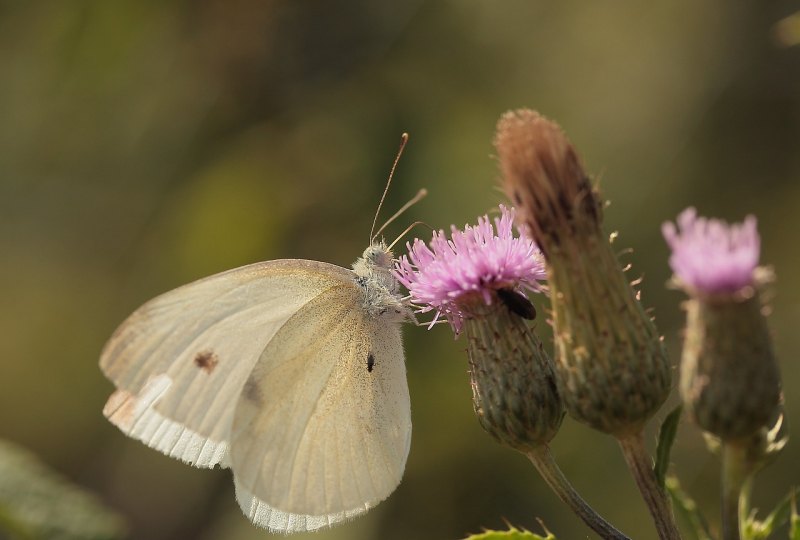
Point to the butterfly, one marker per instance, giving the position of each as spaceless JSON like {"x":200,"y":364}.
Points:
{"x":289,"y":372}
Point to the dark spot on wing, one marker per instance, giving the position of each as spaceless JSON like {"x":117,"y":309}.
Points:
{"x":370,"y":362}
{"x":517,"y":303}
{"x":206,"y":360}
{"x":252,"y":392}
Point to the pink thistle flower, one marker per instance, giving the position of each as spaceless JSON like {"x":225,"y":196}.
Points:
{"x":709,"y":255}
{"x":473,"y":263}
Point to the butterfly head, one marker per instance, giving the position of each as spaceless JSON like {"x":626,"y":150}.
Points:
{"x":378,"y":255}
{"x":376,"y":264}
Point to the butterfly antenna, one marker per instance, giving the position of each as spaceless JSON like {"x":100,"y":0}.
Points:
{"x":403,"y":141}
{"x":405,"y":232}
{"x":421,"y":194}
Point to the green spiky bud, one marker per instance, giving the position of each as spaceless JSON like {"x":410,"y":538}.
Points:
{"x":729,"y":380}
{"x":514,"y":389}
{"x":612,"y":367}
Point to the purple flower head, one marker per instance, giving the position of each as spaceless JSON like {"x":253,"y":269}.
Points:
{"x":710,"y":256}
{"x":474,"y":262}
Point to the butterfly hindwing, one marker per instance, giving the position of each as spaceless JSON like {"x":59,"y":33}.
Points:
{"x":316,"y":433}
{"x":264,"y":515}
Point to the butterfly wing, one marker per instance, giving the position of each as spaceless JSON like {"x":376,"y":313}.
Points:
{"x":275,"y":520}
{"x":322,"y":430}
{"x":181,"y":360}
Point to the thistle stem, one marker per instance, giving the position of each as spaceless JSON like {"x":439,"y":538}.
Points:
{"x":744,"y":501}
{"x":542,"y":459}
{"x":734,"y":477}
{"x":641,"y":465}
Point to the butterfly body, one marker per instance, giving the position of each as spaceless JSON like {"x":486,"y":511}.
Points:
{"x":261,"y":369}
{"x":374,"y":275}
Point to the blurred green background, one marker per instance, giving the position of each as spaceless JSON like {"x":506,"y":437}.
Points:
{"x":144,"y":144}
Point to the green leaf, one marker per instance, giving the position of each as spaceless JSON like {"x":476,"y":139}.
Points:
{"x":37,"y":502}
{"x":780,"y":514}
{"x":687,"y":509}
{"x":794,"y":521}
{"x":761,"y":530}
{"x":511,"y":534}
{"x":666,"y":436}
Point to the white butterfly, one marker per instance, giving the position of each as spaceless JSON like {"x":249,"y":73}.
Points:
{"x":289,"y":372}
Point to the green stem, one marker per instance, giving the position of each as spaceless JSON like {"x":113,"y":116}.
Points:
{"x":641,"y":465}
{"x":734,"y":476}
{"x":744,"y":501}
{"x":543,"y":460}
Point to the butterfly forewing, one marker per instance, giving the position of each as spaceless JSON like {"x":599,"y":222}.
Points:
{"x":181,"y":360}
{"x":316,"y":433}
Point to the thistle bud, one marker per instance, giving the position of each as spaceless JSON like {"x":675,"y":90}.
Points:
{"x":612,"y":367}
{"x":730,"y":380}
{"x":514,"y":390}
{"x":476,"y":280}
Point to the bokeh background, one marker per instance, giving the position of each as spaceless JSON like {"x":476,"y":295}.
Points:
{"x":144,"y":144}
